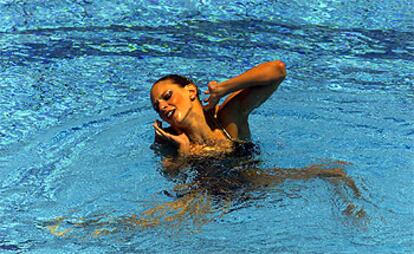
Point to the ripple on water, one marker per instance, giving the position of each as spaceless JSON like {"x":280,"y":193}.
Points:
{"x":76,"y":123}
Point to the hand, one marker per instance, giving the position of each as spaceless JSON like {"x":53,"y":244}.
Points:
{"x":215,"y":92}
{"x":181,"y":140}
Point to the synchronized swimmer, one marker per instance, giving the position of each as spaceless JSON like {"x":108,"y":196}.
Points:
{"x":195,"y":128}
{"x":212,"y":164}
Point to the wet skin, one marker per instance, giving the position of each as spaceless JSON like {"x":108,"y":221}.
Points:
{"x":189,"y":119}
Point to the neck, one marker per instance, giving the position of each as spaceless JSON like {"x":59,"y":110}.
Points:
{"x":197,"y":127}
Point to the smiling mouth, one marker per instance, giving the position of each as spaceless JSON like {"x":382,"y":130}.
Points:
{"x":170,"y":113}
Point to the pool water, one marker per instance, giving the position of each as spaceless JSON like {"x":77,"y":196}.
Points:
{"x":76,"y":167}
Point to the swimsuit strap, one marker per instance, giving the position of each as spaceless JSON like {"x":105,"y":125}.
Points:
{"x":217,"y":122}
{"x":241,"y":148}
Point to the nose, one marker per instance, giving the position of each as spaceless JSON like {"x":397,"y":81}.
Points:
{"x":162,"y":105}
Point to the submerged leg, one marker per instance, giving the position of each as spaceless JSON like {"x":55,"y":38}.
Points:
{"x":197,"y":204}
{"x":332,"y":172}
{"x":275,"y":176}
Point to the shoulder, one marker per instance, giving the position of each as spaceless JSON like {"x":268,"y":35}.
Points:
{"x":234,"y":122}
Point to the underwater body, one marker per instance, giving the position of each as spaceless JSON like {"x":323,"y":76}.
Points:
{"x":78,"y":170}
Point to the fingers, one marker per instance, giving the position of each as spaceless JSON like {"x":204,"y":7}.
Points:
{"x":211,"y":91}
{"x":210,"y":86}
{"x":210,"y":105}
{"x":207,"y":107}
{"x":158,"y":128}
{"x":212,"y":83}
{"x":158,"y":122}
{"x":157,"y":132}
{"x":161,"y":132}
{"x":164,"y":134}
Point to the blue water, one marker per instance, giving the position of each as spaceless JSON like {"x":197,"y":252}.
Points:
{"x":75,"y":123}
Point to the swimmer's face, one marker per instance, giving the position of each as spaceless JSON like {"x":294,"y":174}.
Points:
{"x":173,"y":102}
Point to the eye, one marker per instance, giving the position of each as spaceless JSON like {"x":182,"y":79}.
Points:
{"x":167,"y":95}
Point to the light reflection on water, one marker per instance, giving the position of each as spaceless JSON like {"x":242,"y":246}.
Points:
{"x":75,"y":130}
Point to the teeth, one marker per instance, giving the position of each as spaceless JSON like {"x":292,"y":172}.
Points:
{"x":169,"y":114}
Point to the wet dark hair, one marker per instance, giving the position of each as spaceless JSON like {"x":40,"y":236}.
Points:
{"x":177,"y":79}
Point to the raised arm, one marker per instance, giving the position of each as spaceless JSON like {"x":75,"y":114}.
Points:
{"x":248,"y":90}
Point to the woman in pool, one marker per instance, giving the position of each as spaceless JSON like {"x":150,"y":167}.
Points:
{"x":216,"y":183}
{"x":201,"y":131}
{"x":196,"y":129}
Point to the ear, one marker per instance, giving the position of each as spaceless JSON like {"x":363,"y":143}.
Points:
{"x":192,"y":91}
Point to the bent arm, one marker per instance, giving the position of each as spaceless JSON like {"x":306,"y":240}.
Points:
{"x":251,"y":88}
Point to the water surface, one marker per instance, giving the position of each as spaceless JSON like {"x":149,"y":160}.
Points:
{"x":75,"y":130}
